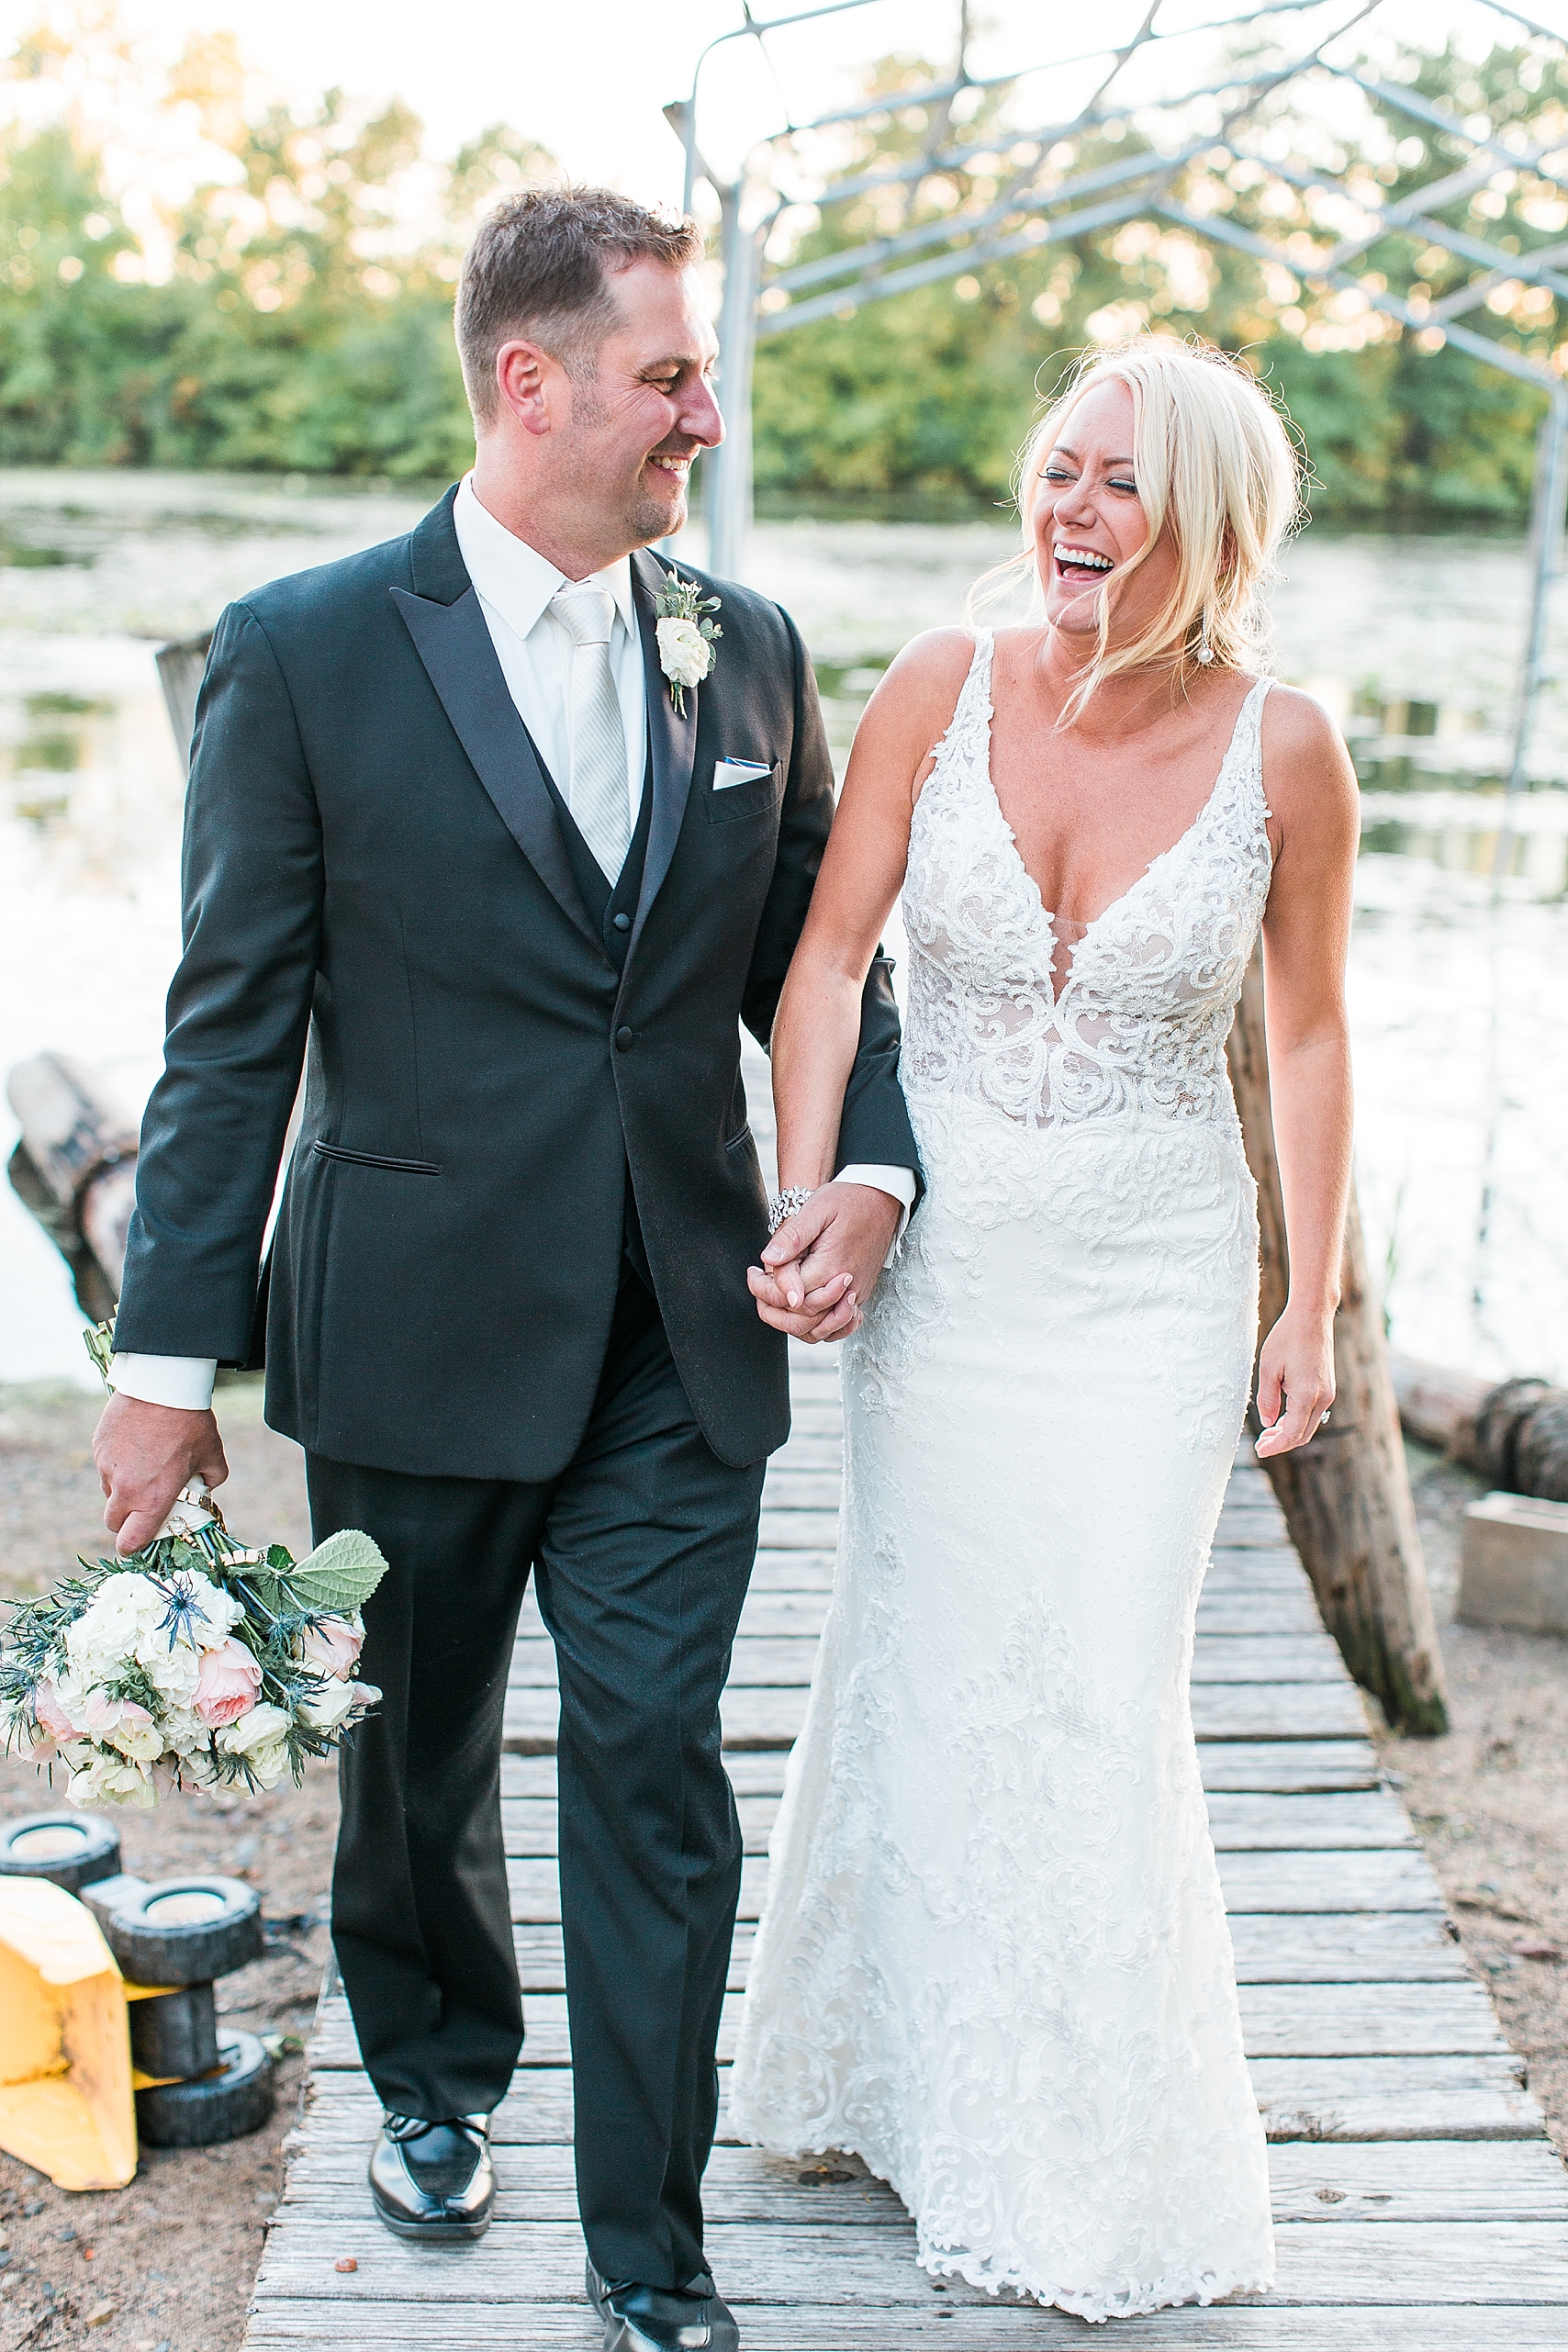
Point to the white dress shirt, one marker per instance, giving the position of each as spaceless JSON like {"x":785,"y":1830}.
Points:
{"x":514,"y":585}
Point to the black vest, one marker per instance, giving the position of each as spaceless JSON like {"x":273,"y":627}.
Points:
{"x":614,"y":911}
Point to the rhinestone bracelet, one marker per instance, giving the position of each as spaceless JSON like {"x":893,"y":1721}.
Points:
{"x":786,"y":1204}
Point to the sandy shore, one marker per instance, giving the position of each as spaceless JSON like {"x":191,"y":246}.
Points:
{"x":167,"y":2264}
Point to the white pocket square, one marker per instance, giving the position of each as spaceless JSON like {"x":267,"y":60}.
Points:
{"x":731,"y":772}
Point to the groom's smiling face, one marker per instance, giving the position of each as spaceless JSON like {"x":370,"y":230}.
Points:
{"x":626,"y":434}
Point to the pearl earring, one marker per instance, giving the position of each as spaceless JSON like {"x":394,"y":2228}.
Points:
{"x":1205,"y":650}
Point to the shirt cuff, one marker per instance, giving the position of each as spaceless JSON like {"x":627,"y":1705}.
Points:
{"x":897,"y":1182}
{"x":183,"y":1382}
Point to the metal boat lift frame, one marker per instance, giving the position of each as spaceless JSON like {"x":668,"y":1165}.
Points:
{"x":1037,"y":207}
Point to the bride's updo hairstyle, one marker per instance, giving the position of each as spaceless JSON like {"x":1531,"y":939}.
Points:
{"x":1213,"y":463}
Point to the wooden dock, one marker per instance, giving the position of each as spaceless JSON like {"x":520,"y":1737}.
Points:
{"x":1420,"y":2207}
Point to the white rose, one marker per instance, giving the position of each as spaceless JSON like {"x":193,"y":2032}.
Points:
{"x":329,"y":1706}
{"x":142,"y":1741}
{"x":685,"y":654}
{"x":106,"y":1780}
{"x":268,"y":1765}
{"x":259,"y":1738}
{"x":259,"y":1729}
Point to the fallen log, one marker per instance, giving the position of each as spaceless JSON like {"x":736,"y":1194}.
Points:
{"x":74,"y":1167}
{"x":1346,"y":1497}
{"x":1513,"y":1433}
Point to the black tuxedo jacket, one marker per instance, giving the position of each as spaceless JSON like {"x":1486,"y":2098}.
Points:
{"x":377,"y":883}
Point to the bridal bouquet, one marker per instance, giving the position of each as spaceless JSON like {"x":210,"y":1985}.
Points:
{"x":195,"y":1663}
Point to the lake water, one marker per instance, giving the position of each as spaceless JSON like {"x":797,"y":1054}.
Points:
{"x":1457,"y":999}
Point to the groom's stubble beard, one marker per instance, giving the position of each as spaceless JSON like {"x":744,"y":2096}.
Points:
{"x":639,"y":516}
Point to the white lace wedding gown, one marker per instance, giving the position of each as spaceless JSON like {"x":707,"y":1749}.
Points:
{"x":995,"y":1961}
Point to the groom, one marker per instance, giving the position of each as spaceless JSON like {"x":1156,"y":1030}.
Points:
{"x":455,"y":846}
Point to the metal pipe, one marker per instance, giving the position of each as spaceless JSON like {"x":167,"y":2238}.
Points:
{"x":844,"y":299}
{"x":729,"y":466}
{"x":1546,"y":546}
{"x":753,"y":29}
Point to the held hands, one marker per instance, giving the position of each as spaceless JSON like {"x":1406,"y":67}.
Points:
{"x":1295,"y":1380}
{"x":143,"y":1454}
{"x":820,"y":1266}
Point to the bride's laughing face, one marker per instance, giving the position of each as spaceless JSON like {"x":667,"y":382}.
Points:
{"x":1089,"y":522}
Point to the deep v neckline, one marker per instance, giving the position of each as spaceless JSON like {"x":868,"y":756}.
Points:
{"x":1047,"y":915}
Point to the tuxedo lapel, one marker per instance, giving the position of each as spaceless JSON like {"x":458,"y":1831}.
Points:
{"x":453,"y":639}
{"x":672,"y":740}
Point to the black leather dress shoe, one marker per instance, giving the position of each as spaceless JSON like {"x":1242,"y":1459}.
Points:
{"x":663,"y":2319}
{"x":434,"y":2181}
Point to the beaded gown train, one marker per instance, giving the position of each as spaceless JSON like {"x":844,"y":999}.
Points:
{"x":994,"y":1959}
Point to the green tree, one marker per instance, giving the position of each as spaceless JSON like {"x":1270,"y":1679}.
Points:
{"x":302,"y":328}
{"x":926,"y":395}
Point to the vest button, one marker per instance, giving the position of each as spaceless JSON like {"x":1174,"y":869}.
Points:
{"x":623,"y":1038}
{"x":621,"y":922}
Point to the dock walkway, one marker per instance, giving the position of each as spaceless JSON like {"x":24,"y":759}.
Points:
{"x":1420,"y":2207}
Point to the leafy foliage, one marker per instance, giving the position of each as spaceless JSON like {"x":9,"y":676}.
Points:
{"x":302,"y":326}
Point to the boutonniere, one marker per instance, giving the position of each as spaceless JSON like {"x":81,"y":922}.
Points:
{"x":686,"y":637}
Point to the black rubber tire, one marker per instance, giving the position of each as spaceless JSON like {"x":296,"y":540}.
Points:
{"x":188,"y":1952}
{"x":175,"y":2034}
{"x":96,"y":1858}
{"x":215,"y":2107}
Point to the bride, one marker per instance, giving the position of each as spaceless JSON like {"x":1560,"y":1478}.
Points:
{"x":994,"y":1960}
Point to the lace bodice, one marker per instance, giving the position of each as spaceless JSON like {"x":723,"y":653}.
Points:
{"x":1138,"y":1027}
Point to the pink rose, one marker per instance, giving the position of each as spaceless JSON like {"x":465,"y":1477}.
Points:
{"x":55,"y":1727}
{"x":366,"y":1696}
{"x":226,"y":1685}
{"x":330,"y":1647}
{"x":105,"y":1714}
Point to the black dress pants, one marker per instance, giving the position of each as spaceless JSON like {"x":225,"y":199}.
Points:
{"x":642,"y":1549}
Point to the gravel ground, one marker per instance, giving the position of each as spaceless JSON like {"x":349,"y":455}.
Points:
{"x":166,"y":2265}
{"x":1490,"y":1802}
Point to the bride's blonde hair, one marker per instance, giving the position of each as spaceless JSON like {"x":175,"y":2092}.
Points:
{"x":1211,"y":458}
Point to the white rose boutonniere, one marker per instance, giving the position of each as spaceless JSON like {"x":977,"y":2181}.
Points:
{"x":684,"y":636}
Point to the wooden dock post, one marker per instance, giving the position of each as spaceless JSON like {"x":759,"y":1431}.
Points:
{"x":1345,"y":1498}
{"x":181,"y":668}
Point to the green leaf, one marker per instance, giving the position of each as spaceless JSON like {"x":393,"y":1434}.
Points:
{"x":340,"y":1576}
{"x":100,"y":1345}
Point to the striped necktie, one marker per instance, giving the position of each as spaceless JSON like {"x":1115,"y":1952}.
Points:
{"x":597,"y":791}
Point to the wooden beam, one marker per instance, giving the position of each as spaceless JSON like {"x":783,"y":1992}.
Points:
{"x":1347,"y":1495}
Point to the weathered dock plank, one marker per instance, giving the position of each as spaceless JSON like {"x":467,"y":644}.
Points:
{"x":1272,"y":1948}
{"x":523,"y":2264}
{"x":770,"y":1715}
{"x":1316,"y":2020}
{"x":1240,"y":1823}
{"x":1419,"y":2206}
{"x":1329,"y":2182}
{"x":467,"y":2325}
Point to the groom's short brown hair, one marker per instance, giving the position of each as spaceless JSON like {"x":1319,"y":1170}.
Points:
{"x":540,"y":268}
